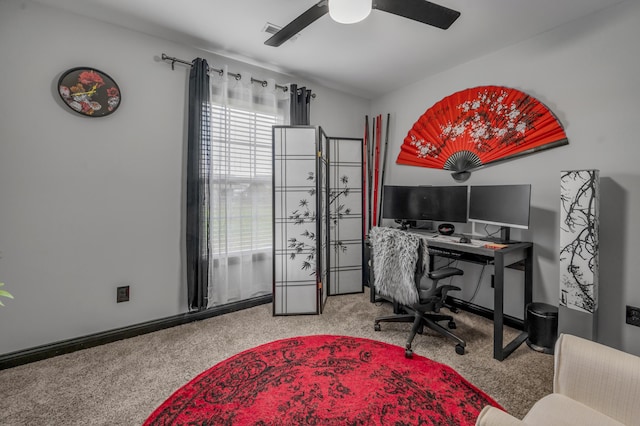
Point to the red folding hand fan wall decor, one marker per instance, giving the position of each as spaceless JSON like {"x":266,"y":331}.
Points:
{"x":480,"y":126}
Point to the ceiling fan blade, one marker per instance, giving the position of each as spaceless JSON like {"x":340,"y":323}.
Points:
{"x":301,"y":22}
{"x":419,"y":10}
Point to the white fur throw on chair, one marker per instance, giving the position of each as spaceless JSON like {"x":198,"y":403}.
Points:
{"x":395,"y":254}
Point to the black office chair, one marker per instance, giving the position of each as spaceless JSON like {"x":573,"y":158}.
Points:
{"x":426,"y":311}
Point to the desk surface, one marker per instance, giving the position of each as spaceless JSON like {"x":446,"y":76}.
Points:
{"x":476,"y":246}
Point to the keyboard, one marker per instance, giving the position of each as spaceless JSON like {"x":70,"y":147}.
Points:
{"x":435,"y":251}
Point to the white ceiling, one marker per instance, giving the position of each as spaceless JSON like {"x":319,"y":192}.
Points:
{"x":368,"y":59}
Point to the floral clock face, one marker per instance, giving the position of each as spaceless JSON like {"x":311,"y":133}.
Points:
{"x":89,"y":92}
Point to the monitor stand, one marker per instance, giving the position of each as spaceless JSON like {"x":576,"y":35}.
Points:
{"x":505,"y":234}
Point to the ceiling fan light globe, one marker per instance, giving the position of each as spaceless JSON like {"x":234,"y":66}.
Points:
{"x":349,"y":11}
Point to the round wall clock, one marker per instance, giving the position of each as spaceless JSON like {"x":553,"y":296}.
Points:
{"x":89,"y":91}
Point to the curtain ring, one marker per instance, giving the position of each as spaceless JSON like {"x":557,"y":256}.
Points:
{"x":238,"y":76}
{"x":264,"y":83}
{"x":221,"y":73}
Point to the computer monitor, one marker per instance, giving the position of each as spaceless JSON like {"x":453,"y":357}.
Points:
{"x":430,"y":203}
{"x":503,"y":205}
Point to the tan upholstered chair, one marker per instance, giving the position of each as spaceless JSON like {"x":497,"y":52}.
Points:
{"x":593,"y":384}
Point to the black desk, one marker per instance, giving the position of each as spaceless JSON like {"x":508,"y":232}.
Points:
{"x":517,"y":255}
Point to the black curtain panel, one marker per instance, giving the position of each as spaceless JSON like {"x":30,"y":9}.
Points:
{"x":300,"y":105}
{"x":198,"y":161}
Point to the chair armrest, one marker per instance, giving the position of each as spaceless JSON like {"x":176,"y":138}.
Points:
{"x":448,"y":271}
{"x":492,"y":416}
{"x":444,"y":289}
{"x":603,"y":378}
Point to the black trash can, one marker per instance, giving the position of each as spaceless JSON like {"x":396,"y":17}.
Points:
{"x":542,"y":327}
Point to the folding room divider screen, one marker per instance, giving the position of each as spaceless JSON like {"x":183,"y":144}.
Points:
{"x":317,"y":211}
{"x":346,"y":216}
{"x":299,"y":220}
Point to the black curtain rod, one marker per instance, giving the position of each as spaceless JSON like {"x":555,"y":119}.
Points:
{"x":220,"y":72}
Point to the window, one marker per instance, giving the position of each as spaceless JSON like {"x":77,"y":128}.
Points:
{"x":241,"y":180}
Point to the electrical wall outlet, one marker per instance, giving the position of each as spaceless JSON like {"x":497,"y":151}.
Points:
{"x":122,"y":294}
{"x":633,"y":315}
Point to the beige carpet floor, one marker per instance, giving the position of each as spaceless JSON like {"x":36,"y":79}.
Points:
{"x":121,"y":383}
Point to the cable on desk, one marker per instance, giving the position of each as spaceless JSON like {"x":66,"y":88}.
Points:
{"x":491,"y":234}
{"x":475,"y":293}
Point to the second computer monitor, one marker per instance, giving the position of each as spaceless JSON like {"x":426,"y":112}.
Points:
{"x":502,"y":205}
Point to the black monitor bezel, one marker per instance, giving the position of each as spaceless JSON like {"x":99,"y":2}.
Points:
{"x":452,"y":194}
{"x":494,"y":197}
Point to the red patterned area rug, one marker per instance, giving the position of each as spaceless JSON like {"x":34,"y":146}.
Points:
{"x":328,"y":380}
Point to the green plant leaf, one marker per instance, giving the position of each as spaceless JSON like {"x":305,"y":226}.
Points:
{"x":4,"y":293}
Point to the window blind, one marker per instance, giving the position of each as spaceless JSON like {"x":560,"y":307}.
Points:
{"x":241,"y":180}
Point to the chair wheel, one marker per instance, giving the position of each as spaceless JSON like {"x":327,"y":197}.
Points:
{"x":460,"y":349}
{"x":408,"y":353}
{"x":376,"y":327}
{"x":452,"y":325}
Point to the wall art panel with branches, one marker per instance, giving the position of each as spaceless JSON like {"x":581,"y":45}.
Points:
{"x":579,"y":239}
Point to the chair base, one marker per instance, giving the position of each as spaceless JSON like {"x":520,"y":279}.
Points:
{"x":420,"y":320}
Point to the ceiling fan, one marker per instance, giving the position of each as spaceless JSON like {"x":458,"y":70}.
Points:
{"x":418,"y":10}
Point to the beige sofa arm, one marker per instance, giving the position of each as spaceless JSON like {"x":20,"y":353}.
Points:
{"x":492,"y":416}
{"x":600,"y":377}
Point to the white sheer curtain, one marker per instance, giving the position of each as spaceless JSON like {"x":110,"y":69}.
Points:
{"x":241,"y":222}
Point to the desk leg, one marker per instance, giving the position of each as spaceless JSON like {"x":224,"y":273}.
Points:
{"x":500,"y":352}
{"x":498,"y":308}
{"x":528,"y":285}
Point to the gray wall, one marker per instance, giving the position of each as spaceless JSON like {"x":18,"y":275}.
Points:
{"x":586,"y":72}
{"x":89,"y":204}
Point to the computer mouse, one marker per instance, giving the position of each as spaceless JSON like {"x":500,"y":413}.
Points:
{"x":464,"y":240}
